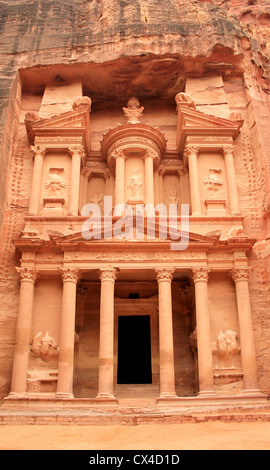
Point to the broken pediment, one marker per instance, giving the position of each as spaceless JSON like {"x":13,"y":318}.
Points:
{"x":192,"y":122}
{"x":74,"y":122}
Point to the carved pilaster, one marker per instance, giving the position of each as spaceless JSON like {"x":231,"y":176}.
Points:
{"x":190,"y":156}
{"x":228,"y":151}
{"x":39,"y":153}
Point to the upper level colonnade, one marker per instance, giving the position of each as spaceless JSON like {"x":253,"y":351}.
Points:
{"x":134,"y":165}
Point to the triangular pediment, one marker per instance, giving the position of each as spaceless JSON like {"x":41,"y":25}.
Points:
{"x":194,"y":118}
{"x":192,"y":122}
{"x":147,"y":233}
{"x":75,"y":121}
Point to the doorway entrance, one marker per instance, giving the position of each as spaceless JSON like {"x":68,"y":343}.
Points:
{"x":134,"y":350}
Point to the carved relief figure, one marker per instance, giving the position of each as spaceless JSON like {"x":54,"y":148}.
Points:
{"x":98,"y":200}
{"x":135,"y":186}
{"x":44,"y":347}
{"x":227,"y":345}
{"x":134,"y":111}
{"x":172,"y":196}
{"x":213,"y":181}
{"x":56,"y":182}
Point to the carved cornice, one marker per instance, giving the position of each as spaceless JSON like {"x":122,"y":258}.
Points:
{"x":164,"y":274}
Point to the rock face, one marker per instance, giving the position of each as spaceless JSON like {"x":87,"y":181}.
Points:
{"x":216,"y":51}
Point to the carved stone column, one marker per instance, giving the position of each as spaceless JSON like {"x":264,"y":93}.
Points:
{"x":120,"y":178}
{"x":166,"y":345}
{"x":106,"y":341}
{"x":28,"y":277}
{"x":248,"y":352}
{"x":86,"y":173}
{"x":70,"y":278}
{"x":204,"y":342}
{"x":161,"y":184}
{"x":39,"y":153}
{"x":76,"y":154}
{"x":149,"y":193}
{"x":231,"y":180}
{"x":191,"y":154}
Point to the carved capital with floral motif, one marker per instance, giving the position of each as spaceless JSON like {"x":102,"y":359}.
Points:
{"x":228,"y":149}
{"x":70,"y":274}
{"x":164,"y":274}
{"x":108,"y":274}
{"x":27,"y":274}
{"x":200,"y":274}
{"x":38,"y":150}
{"x":241,"y":274}
{"x":77,"y":150}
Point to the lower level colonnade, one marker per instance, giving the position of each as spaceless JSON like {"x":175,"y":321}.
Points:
{"x":108,"y":278}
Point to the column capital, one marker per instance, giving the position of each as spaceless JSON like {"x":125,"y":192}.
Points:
{"x":76,"y":150}
{"x":228,"y":149}
{"x":241,"y":274}
{"x":200,"y":274}
{"x":162,"y":170}
{"x":150,"y":153}
{"x":181,"y":170}
{"x":86,"y":172}
{"x":191,"y":149}
{"x":38,"y":149}
{"x":70,"y":274}
{"x":28,"y":274}
{"x":164,"y":274}
{"x":118,"y":153}
{"x":108,"y":274}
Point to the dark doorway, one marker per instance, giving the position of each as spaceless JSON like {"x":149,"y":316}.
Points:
{"x":134,"y":350}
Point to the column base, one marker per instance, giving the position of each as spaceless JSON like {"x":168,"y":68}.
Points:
{"x":64,"y":396}
{"x":16,"y":396}
{"x":168,"y":395}
{"x":254,"y":392}
{"x":104,"y":395}
{"x":107,"y":398}
{"x":207,"y":393}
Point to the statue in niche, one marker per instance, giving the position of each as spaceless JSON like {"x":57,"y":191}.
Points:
{"x":213,"y":181}
{"x":133,"y":111}
{"x":227,"y":345}
{"x":135,"y":187}
{"x":56,"y":182}
{"x":44,"y":347}
{"x":172,"y":196}
{"x":98,"y":200}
